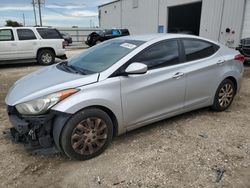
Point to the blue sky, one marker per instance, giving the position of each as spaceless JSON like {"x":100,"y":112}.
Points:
{"x":64,"y":13}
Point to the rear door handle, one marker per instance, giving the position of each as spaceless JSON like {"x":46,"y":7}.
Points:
{"x":178,"y":75}
{"x":220,"y":62}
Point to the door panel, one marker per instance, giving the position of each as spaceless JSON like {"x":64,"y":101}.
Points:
{"x":26,"y":49}
{"x":27,"y":44}
{"x":153,"y":94}
{"x":202,"y":68}
{"x":201,"y":79}
{"x":8,"y":50}
{"x":8,"y":45}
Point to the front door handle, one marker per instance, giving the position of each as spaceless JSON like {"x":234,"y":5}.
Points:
{"x":178,"y":75}
{"x":220,"y":62}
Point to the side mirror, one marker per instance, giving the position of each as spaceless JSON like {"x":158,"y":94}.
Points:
{"x":136,"y":68}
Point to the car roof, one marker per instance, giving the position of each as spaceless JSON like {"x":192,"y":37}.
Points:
{"x":25,"y":27}
{"x":162,"y":36}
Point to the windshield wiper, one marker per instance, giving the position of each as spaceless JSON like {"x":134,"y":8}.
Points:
{"x":76,"y":69}
{"x":69,"y":68}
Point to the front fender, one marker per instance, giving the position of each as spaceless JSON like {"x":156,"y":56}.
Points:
{"x":105,"y":94}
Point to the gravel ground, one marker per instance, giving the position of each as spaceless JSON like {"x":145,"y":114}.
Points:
{"x":197,"y":149}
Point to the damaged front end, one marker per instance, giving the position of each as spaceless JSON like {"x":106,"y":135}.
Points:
{"x":35,"y":132}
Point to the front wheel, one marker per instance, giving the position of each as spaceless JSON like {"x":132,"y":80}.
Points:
{"x":46,"y":57}
{"x":224,"y":95}
{"x":87,"y":134}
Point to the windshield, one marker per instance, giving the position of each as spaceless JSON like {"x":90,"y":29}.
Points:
{"x":103,"y":56}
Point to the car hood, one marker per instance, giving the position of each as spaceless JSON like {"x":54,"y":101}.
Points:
{"x":44,"y":82}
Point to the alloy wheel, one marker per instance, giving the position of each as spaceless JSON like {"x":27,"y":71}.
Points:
{"x":47,"y":58}
{"x":226,"y":95}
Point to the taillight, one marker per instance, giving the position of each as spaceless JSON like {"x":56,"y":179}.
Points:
{"x":64,"y":43}
{"x":240,"y":58}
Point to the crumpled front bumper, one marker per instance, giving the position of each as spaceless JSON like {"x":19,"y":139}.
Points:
{"x":35,"y":132}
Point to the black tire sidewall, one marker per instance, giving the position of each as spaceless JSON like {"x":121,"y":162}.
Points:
{"x":216,"y":105}
{"x":41,"y":52}
{"x":65,"y":137}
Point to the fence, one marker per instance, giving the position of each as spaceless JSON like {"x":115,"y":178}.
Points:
{"x":78,"y":34}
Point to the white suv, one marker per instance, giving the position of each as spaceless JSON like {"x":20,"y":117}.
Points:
{"x":29,"y":44}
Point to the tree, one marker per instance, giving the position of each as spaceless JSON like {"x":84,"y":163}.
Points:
{"x":13,"y":23}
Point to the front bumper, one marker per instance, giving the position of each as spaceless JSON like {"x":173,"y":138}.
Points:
{"x":36,"y":132}
{"x":63,"y":57}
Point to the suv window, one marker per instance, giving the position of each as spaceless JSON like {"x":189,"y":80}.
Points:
{"x":162,"y":54}
{"x":47,"y":33}
{"x":6,"y":35}
{"x":198,"y":49}
{"x":26,"y":34}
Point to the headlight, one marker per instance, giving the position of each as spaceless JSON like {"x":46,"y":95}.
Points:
{"x":41,"y":105}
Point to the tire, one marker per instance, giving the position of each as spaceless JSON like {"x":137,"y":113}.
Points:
{"x":87,"y":134}
{"x":46,"y":57}
{"x":224,"y":96}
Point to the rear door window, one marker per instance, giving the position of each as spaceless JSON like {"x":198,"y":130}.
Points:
{"x":162,"y":54}
{"x":46,"y":33}
{"x":198,"y":49}
{"x":6,"y":35}
{"x":26,"y":34}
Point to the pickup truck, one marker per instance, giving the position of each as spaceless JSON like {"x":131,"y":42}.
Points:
{"x":30,"y":44}
{"x":106,"y":34}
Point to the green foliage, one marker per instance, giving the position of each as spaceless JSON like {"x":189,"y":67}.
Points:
{"x":12,"y":23}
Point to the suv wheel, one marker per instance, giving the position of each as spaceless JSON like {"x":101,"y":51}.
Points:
{"x":87,"y":134}
{"x":224,"y":95}
{"x":46,"y":57}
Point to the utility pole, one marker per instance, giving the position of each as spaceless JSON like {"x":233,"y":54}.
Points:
{"x":40,"y":14}
{"x":90,"y":23}
{"x":23,"y":19}
{"x":34,"y":9}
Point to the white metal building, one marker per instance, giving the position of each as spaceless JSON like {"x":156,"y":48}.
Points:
{"x":225,"y":21}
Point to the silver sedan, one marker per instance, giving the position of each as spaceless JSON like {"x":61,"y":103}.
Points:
{"x":78,"y":106}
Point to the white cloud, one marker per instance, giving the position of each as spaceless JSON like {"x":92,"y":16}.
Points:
{"x":13,"y":8}
{"x":66,"y":6}
{"x":101,"y":2}
{"x":85,"y":13}
{"x":75,"y":15}
{"x":51,"y":6}
{"x":54,"y":17}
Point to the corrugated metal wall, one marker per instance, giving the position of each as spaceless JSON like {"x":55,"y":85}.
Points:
{"x":143,"y":19}
{"x":217,"y":15}
{"x":246,"y":22}
{"x":211,"y":15}
{"x":110,"y":15}
{"x":232,"y":18}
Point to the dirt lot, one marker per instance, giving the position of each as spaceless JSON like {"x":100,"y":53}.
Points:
{"x":191,"y":150}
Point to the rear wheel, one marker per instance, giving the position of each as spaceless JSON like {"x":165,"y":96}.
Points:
{"x":87,"y":134}
{"x":224,"y":95}
{"x":46,"y":57}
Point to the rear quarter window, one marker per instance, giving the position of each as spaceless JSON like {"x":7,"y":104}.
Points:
{"x":49,"y":33}
{"x":196,"y":49}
